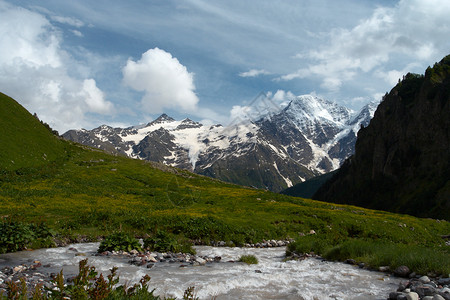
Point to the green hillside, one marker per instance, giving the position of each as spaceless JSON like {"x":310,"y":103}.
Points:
{"x":24,"y":142}
{"x":79,"y":191}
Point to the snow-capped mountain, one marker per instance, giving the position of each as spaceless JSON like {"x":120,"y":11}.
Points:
{"x":310,"y":136}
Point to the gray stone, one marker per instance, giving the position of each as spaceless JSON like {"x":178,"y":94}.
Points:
{"x":427,"y":298}
{"x":402,"y":271}
{"x":424,"y":279}
{"x":412,"y":296}
{"x":438,"y":297}
{"x":402,"y":286}
{"x":444,"y":281}
{"x":200,"y":260}
{"x":151,"y":258}
{"x":425,"y":291}
{"x":394,"y":295}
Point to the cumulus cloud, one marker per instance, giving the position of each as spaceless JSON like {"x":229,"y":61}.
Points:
{"x":413,"y":30}
{"x":164,"y":80}
{"x":254,"y":73}
{"x":34,"y":71}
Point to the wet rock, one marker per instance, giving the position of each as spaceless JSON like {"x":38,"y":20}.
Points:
{"x":412,"y":296}
{"x":444,"y":281}
{"x":19,"y":269}
{"x":424,"y":279}
{"x":402,"y":286}
{"x":383,"y":269}
{"x":151,"y":258}
{"x":432,"y":290}
{"x":402,"y":271}
{"x":394,"y":295}
{"x":425,"y":291}
{"x":350,"y":261}
{"x":200,"y":260}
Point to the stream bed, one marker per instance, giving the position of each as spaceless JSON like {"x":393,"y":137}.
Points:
{"x":271,"y":278}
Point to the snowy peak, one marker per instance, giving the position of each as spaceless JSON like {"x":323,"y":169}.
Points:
{"x":161,"y":119}
{"x":309,"y":109}
{"x":188,"y":123}
{"x":310,"y":136}
{"x":365,"y":113}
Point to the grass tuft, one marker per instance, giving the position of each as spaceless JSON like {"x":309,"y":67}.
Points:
{"x":249,"y":259}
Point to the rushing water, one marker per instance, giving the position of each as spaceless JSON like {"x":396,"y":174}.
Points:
{"x":271,"y":278}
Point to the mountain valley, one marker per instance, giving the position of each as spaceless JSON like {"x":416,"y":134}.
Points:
{"x":308,"y":137}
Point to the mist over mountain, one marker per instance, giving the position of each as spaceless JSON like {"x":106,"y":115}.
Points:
{"x":308,"y":137}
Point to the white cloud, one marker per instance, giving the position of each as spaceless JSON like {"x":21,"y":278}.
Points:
{"x":392,"y":76}
{"x":68,"y":20}
{"x":77,"y":33}
{"x":282,"y":97}
{"x":94,"y":98}
{"x":34,"y":71}
{"x":413,"y":30}
{"x":254,"y":73}
{"x":165,"y":81}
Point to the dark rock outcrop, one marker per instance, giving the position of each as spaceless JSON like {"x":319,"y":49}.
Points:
{"x":402,"y":159}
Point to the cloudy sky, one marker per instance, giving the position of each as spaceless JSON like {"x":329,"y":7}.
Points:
{"x":80,"y":64}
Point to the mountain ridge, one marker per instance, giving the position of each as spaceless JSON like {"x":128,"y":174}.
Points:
{"x":308,"y":137}
{"x":402,"y":159}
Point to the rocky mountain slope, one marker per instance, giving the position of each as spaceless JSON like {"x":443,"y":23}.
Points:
{"x":308,"y":137}
{"x":402,"y":159}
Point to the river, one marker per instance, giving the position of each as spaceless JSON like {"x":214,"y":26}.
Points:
{"x":271,"y":278}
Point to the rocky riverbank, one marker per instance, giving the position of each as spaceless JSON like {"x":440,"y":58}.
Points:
{"x":34,"y":272}
{"x":422,"y":287}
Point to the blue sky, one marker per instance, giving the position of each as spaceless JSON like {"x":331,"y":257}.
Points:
{"x":80,"y":64}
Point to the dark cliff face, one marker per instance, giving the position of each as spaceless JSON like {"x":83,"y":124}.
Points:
{"x":402,"y":159}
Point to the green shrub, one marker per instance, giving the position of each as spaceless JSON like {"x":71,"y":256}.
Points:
{"x":164,"y":241}
{"x":249,"y":259}
{"x":119,"y":241}
{"x":16,"y":236}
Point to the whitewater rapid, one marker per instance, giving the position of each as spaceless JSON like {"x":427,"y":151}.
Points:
{"x":271,"y":278}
